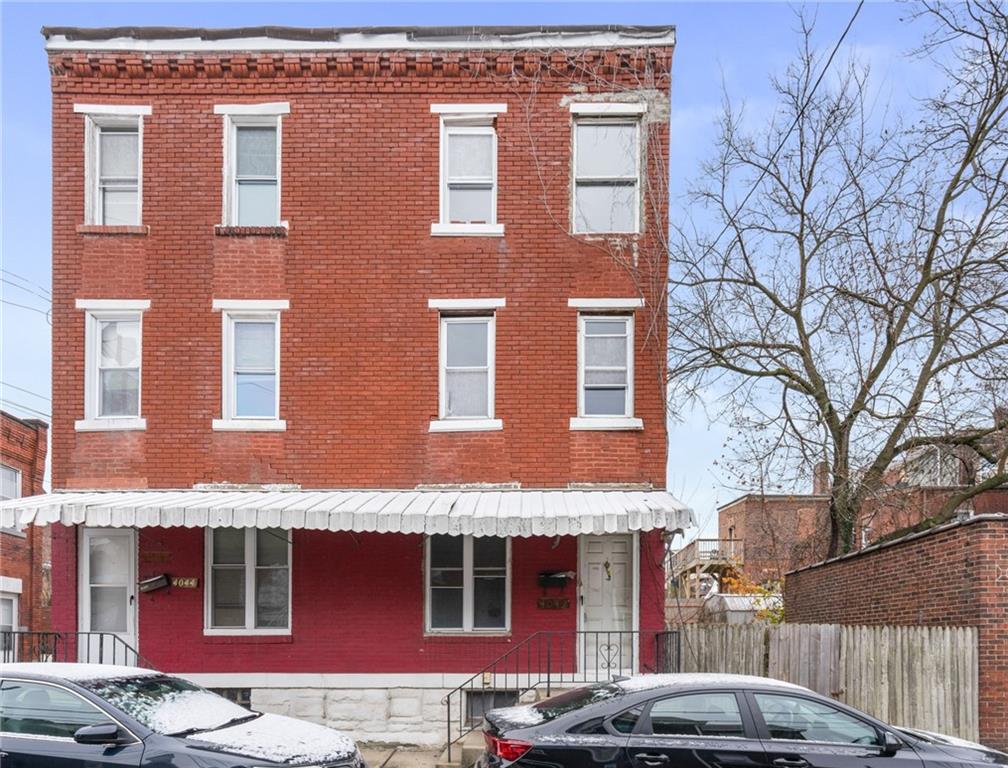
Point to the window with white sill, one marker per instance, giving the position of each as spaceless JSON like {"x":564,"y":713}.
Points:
{"x":467,"y":368}
{"x":468,"y":583}
{"x":606,"y":175}
{"x":605,"y":366}
{"x":252,"y":142}
{"x":10,"y":488}
{"x":113,"y":363}
{"x":253,"y":380}
{"x":248,"y":581}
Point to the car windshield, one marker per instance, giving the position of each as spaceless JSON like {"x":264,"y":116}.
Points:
{"x":562,"y":703}
{"x":168,"y":705}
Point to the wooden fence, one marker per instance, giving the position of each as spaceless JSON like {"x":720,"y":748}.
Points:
{"x":921,"y":677}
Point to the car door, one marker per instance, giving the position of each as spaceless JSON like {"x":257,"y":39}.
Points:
{"x":804,"y":732}
{"x":37,"y":725}
{"x":696,"y":729}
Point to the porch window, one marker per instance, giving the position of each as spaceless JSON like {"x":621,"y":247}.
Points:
{"x":468,"y":583}
{"x":248,"y":581}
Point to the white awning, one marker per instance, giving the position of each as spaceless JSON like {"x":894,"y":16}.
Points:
{"x":455,"y":512}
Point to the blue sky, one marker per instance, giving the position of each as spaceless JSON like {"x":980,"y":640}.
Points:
{"x":733,"y":47}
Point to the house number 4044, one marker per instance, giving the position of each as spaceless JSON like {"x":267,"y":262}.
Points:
{"x":185,"y":582}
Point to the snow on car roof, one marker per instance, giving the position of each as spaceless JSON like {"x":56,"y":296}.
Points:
{"x":75,"y":672}
{"x":647,"y":682}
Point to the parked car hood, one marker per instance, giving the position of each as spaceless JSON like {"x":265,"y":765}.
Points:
{"x":279,"y":739}
{"x":959,"y":748}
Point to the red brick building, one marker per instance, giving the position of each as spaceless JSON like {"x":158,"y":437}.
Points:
{"x":953,"y":575}
{"x":24,"y":550}
{"x":358,"y":333}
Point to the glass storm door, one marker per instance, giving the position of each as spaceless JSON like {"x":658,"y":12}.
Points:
{"x":108,"y":596}
{"x":606,"y":646}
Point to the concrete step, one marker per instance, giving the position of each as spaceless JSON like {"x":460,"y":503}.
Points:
{"x":465,"y":752}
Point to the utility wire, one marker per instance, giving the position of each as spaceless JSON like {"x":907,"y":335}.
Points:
{"x":26,"y":289}
{"x":26,"y":408}
{"x":23,"y":279}
{"x":25,"y":306}
{"x":26,"y":391}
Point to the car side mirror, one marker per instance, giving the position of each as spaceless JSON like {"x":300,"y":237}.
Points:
{"x":99,"y":733}
{"x":891,"y":743}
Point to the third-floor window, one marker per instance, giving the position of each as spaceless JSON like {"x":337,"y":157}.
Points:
{"x":252,"y":163}
{"x":113,"y":161}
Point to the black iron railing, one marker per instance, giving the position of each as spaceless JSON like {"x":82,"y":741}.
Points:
{"x":547,"y":660}
{"x":83,"y":647}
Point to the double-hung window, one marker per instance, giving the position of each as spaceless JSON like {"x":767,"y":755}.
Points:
{"x":250,"y":385}
{"x":468,"y":194}
{"x":113,"y":138}
{"x":605,"y":366}
{"x":252,"y":163}
{"x":466,"y":365}
{"x":607,"y":168}
{"x":468,"y":583}
{"x":113,"y":355}
{"x":10,"y":488}
{"x":249,"y":581}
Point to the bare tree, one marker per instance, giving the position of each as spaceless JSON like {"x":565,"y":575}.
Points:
{"x":854,"y":308}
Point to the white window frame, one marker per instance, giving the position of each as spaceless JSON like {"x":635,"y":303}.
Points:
{"x":461,"y":119}
{"x":251,"y":310}
{"x":96,"y":312}
{"x":603,"y":113}
{"x":242,"y":116}
{"x":17,"y":530}
{"x":96,"y":118}
{"x":466,"y":310}
{"x":250,"y":568}
{"x":605,"y":309}
{"x":468,"y":592}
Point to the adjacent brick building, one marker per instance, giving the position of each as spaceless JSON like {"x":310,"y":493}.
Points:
{"x":387,"y":306}
{"x":24,"y":551}
{"x":953,"y":575}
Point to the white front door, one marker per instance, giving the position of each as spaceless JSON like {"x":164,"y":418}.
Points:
{"x":107,"y":595}
{"x":607,"y":645}
{"x":8,"y":625}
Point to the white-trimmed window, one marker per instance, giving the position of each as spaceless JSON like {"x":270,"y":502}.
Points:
{"x":10,"y":488}
{"x":468,"y":583}
{"x":113,"y":163}
{"x":605,"y":365}
{"x":248,"y":581}
{"x":468,"y":176}
{"x":250,"y":386}
{"x":113,"y":353}
{"x":252,"y":163}
{"x":607,"y":168}
{"x":466,"y":367}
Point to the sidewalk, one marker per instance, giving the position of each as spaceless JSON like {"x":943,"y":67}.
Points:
{"x":390,"y":756}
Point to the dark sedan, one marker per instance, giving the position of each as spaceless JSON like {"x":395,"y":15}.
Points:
{"x":710,"y":721}
{"x":94,"y":715}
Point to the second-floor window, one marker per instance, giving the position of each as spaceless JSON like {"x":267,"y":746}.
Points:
{"x":10,"y":488}
{"x":112,"y":364}
{"x":606,"y":365}
{"x":252,"y":163}
{"x":113,"y":163}
{"x":467,"y":367}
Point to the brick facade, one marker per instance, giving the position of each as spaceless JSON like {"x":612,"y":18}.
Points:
{"x":27,"y":556}
{"x":955,"y":575}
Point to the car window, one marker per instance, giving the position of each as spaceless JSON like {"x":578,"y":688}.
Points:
{"x":34,"y":709}
{"x":569,"y":701}
{"x":624,"y":722}
{"x":697,"y":714}
{"x":797,"y":719}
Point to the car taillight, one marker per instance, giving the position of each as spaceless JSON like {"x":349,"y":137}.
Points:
{"x":506,"y":749}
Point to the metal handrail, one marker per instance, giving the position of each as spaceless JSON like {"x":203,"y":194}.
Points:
{"x":548,"y":658}
{"x":84,"y":647}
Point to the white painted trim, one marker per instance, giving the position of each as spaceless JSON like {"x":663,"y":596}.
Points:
{"x":349,"y":680}
{"x":477,"y":305}
{"x":251,"y":305}
{"x":574,"y":179}
{"x":371,"y":41}
{"x":605,"y":423}
{"x":110,"y":424}
{"x":132,"y":634}
{"x":468,"y":594}
{"x":466,"y":425}
{"x":604,"y":304}
{"x":138,"y":110}
{"x":233,"y":120}
{"x":466,"y":230}
{"x":468,"y":109}
{"x":113,"y":305}
{"x":94,"y":124}
{"x":250,"y":568}
{"x":271,"y":108}
{"x":10,"y":584}
{"x":634,"y":591}
{"x":491,"y":365}
{"x":608,"y":108}
{"x":249,"y":425}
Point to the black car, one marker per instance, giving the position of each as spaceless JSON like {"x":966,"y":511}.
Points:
{"x":710,"y":721}
{"x":94,"y":715}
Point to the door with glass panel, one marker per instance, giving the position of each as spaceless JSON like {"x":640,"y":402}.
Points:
{"x":108,"y":595}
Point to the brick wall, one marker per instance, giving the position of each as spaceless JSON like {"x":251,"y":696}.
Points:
{"x":359,"y":382}
{"x":956,"y":575}
{"x":23,"y":446}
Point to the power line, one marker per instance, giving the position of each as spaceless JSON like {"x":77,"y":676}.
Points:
{"x":794,"y":124}
{"x":25,"y":306}
{"x":24,"y":279}
{"x":26,"y":391}
{"x":26,"y":290}
{"x":26,"y":408}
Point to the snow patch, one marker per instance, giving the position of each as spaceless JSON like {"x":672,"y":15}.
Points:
{"x":647,"y":682}
{"x":281,"y":739}
{"x":178,"y":711}
{"x":75,"y":672}
{"x":524,"y":716}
